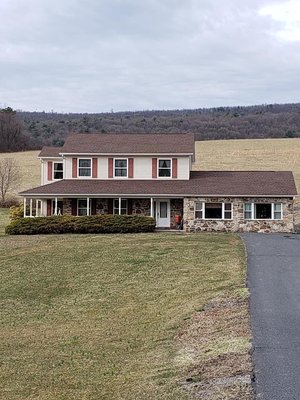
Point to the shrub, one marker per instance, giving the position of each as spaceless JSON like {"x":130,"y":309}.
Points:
{"x":16,"y":212}
{"x":91,"y":224}
{"x":10,"y":202}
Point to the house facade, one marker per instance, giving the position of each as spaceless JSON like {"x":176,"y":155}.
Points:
{"x":152,"y":175}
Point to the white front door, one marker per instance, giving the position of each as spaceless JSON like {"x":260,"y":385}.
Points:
{"x":162,"y":213}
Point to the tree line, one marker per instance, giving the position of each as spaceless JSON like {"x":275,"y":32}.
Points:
{"x":29,"y":130}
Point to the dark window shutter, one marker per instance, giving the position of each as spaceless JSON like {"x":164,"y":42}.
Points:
{"x":154,"y":167}
{"x":110,"y":167}
{"x":130,"y":167}
{"x":110,"y":206}
{"x":94,"y":204}
{"x":74,"y":206}
{"x":174,"y":168}
{"x":50,"y":170}
{"x":74,"y":167}
{"x":95,"y":168}
{"x":49,"y":207}
{"x":129,"y":206}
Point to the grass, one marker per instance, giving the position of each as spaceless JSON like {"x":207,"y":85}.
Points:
{"x":99,"y":316}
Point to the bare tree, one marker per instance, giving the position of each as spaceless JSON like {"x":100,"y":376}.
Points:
{"x":11,"y":136}
{"x":9,"y":176}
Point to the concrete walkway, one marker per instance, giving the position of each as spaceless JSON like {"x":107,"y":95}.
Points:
{"x":274,"y":283}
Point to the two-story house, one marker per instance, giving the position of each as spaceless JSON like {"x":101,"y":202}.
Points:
{"x":151,"y":174}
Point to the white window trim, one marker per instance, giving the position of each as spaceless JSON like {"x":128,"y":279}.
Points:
{"x":114,"y":167}
{"x":89,"y":204}
{"x":263,"y":219}
{"x":214,"y":219}
{"x":171,"y":165}
{"x":53,"y":170}
{"x":273,"y":211}
{"x":84,"y":158}
{"x":223,"y":211}
{"x":120,"y":208}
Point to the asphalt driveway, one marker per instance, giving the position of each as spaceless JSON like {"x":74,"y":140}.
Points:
{"x":274,"y":283}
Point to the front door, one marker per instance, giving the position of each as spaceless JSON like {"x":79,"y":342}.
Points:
{"x":163,"y":213}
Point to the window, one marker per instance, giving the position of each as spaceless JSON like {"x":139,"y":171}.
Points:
{"x":123,"y":206}
{"x":84,"y":167}
{"x":263,"y":211}
{"x":58,"y":171}
{"x":121,"y":168}
{"x":227,"y":210}
{"x":213,"y":210}
{"x":164,"y":168}
{"x":248,"y":211}
{"x":82,"y":207}
{"x":199,"y":210}
{"x":277,"y":211}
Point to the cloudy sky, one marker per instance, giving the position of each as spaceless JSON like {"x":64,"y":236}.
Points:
{"x":98,"y":55}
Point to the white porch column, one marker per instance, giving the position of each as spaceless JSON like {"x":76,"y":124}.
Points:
{"x":55,"y":206}
{"x":120,"y":200}
{"x":88,"y":206}
{"x":24,"y":207}
{"x":30,"y":208}
{"x":151,"y":207}
{"x":37,"y":207}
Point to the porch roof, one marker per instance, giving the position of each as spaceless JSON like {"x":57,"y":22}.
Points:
{"x":201,"y":183}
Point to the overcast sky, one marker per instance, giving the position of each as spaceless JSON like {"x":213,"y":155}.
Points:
{"x":98,"y":55}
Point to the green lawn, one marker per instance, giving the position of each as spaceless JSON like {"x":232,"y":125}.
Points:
{"x":96,"y":316}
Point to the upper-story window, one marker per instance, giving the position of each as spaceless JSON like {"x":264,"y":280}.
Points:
{"x":120,"y":168}
{"x":58,"y":170}
{"x":164,"y":168}
{"x":84,"y":167}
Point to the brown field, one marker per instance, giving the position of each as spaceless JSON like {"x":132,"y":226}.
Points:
{"x":248,"y":154}
{"x":29,"y":164}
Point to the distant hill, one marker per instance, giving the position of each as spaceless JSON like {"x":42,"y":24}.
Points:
{"x":260,"y":121}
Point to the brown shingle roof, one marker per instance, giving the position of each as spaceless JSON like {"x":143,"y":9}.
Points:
{"x":48,"y":151}
{"x":202,"y":183}
{"x":129,"y":143}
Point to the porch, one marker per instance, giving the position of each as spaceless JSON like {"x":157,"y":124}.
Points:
{"x":166,"y":211}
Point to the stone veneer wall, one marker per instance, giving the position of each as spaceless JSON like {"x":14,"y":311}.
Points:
{"x":238,"y":223}
{"x":141,"y":207}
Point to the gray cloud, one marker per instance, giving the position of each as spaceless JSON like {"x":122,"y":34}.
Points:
{"x":95,"y":55}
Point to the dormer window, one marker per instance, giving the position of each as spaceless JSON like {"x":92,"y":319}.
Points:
{"x":164,"y":168}
{"x":58,"y":170}
{"x":84,"y":167}
{"x":120,"y":168}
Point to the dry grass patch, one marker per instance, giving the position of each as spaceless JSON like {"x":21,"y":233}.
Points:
{"x":215,"y":346}
{"x":96,"y":316}
{"x":30,"y":168}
